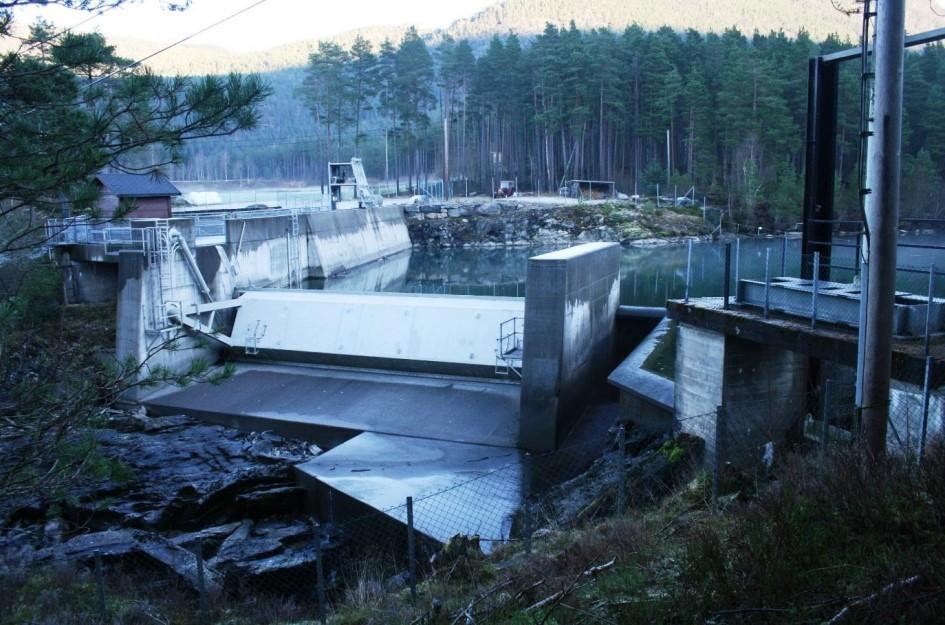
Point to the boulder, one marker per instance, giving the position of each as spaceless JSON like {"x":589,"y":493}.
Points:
{"x":489,"y":209}
{"x":211,"y":537}
{"x":133,"y":546}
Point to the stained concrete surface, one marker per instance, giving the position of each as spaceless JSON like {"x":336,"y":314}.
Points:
{"x":329,"y":406}
{"x":380,"y":471}
{"x":572,"y":296}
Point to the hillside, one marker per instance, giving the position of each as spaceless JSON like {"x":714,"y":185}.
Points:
{"x":818,"y":17}
{"x":191,"y":60}
{"x":528,"y":17}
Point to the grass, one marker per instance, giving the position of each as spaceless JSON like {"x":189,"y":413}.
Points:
{"x":825,"y":536}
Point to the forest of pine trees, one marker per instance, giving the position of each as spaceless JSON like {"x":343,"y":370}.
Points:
{"x":722,"y":112}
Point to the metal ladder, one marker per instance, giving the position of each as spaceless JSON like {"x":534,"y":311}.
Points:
{"x":867,"y":76}
{"x":158,"y":252}
{"x":509,"y":349}
{"x":292,"y":251}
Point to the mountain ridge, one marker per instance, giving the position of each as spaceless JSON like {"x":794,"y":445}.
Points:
{"x":527,"y":18}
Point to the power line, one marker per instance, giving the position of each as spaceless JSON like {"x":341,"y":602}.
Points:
{"x":175,"y":44}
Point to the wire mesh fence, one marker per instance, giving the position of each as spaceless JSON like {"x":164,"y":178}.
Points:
{"x":356,"y":555}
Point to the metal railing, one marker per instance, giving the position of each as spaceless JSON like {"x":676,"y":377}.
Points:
{"x":128,"y":233}
{"x":857,"y":233}
{"x":509,"y":350}
{"x":79,"y":230}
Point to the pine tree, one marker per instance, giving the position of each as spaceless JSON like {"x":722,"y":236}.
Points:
{"x":363,"y":68}
{"x":413,"y":93}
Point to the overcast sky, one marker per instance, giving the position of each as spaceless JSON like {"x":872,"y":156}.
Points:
{"x":272,"y":23}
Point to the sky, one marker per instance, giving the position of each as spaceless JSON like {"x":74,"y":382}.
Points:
{"x":272,"y":23}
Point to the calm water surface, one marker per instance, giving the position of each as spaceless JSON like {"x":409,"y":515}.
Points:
{"x":649,"y":276}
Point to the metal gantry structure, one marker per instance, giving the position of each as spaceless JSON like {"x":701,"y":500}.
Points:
{"x":821,"y":147}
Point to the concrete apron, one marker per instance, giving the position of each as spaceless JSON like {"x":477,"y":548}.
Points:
{"x":331,"y":405}
{"x":388,"y":436}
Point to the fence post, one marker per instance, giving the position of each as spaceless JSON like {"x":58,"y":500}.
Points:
{"x":716,"y":457}
{"x":825,"y":416}
{"x":411,"y":551}
{"x":928,"y":310}
{"x":528,"y":526}
{"x":767,"y":280}
{"x":783,"y":254}
{"x":202,"y":586}
{"x":926,"y":397}
{"x":728,"y":276}
{"x":738,"y":248}
{"x":815,"y":286}
{"x":688,"y":270}
{"x":319,"y":573}
{"x":621,"y":458}
{"x":100,"y":588}
{"x":857,"y":258}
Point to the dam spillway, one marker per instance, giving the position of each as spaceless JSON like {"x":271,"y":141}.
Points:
{"x":423,"y":392}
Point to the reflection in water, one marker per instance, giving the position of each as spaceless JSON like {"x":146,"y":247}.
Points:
{"x":649,"y":276}
{"x":389,"y":274}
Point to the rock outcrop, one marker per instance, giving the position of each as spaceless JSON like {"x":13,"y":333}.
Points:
{"x":187,"y":486}
{"x":507,"y":222}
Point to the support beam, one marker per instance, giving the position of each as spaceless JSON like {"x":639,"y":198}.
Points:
{"x":820,"y":165}
{"x":882,"y":217}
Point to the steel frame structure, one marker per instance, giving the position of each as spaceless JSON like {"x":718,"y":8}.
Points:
{"x":821,"y":149}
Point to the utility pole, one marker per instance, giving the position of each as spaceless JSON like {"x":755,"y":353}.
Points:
{"x":669,"y":162}
{"x":882,"y":218}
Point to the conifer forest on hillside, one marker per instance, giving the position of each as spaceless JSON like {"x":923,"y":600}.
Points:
{"x":724,"y":112}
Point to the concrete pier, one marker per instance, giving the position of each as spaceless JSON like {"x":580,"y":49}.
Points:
{"x":571,"y":301}
{"x":760,"y":371}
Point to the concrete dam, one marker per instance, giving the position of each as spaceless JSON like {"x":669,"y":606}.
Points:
{"x":411,"y":394}
{"x":408,"y":394}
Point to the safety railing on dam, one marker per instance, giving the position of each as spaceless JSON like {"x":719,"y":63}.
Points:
{"x":386,"y":559}
{"x":210,"y":227}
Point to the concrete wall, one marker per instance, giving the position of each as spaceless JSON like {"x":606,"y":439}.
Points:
{"x":139,"y":347}
{"x":389,"y":274}
{"x":86,"y":282}
{"x":572,"y":297}
{"x":434,"y":333}
{"x":344,"y":239}
{"x":258,"y":251}
{"x":329,"y":243}
{"x":700,"y":355}
{"x":646,"y":398}
{"x":761,"y":387}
